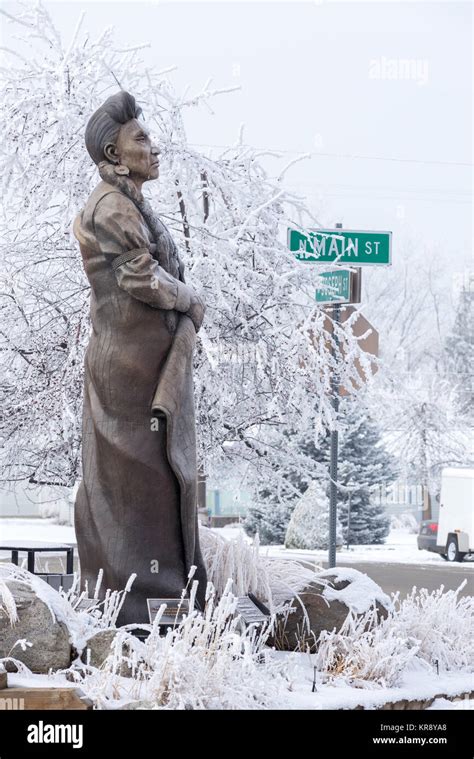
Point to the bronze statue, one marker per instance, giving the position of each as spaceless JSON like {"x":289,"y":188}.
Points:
{"x":136,"y":506}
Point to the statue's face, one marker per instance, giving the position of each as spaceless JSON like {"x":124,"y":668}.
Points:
{"x":134,"y":149}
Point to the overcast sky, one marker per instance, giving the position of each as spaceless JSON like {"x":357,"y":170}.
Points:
{"x":330,"y":78}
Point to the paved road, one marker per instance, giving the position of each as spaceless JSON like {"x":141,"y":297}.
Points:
{"x":402,"y":577}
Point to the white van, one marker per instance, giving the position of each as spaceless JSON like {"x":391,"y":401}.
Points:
{"x":455,"y":536}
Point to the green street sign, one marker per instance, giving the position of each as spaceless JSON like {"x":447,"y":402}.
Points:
{"x":346,"y":246}
{"x":336,"y":287}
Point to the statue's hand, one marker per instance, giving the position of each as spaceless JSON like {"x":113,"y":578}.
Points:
{"x":196,"y":311}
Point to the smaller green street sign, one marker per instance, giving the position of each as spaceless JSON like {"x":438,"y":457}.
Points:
{"x":345,"y":246}
{"x":336,"y":287}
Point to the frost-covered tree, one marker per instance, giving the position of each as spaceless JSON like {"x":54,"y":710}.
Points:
{"x":425,"y":392}
{"x":422,"y":398}
{"x":425,"y":431}
{"x":363,"y":463}
{"x":308,"y":527}
{"x":263,"y":360}
{"x":459,"y":351}
{"x":411,"y":307}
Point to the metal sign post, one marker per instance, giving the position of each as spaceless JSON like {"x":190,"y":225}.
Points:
{"x":348,"y":250}
{"x":336,"y":311}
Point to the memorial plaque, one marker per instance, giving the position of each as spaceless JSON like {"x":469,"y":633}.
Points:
{"x":249,"y":612}
{"x":176,"y":609}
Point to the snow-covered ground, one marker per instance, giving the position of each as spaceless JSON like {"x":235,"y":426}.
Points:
{"x":420,"y":652}
{"x":43,"y":530}
{"x":400,"y":548}
{"x":416,"y":686}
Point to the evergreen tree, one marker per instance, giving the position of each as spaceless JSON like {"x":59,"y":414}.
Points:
{"x":269,"y":519}
{"x":363,"y":463}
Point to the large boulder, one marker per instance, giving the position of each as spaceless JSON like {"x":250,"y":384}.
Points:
{"x":327,"y":601}
{"x":98,"y":647}
{"x":50,"y":649}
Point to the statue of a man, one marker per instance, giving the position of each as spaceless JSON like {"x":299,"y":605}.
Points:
{"x":136,"y":506}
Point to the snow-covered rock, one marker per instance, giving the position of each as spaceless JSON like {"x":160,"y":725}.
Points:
{"x":45,"y":640}
{"x":308,"y":528}
{"x":324,"y":605}
{"x":98,"y":647}
{"x":101,"y":645}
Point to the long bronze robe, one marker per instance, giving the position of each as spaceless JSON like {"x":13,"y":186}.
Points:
{"x":135,"y":509}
